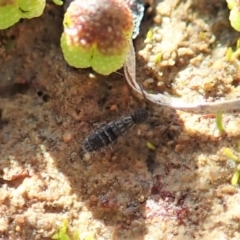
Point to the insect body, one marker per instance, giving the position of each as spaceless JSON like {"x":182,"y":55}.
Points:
{"x":113,"y":130}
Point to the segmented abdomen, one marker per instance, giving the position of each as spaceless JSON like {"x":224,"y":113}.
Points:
{"x":107,"y":134}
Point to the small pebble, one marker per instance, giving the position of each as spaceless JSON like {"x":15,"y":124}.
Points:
{"x":67,"y":137}
{"x":141,"y":199}
{"x":92,"y":76}
{"x":93,"y":198}
{"x":17,"y":228}
{"x":113,"y":107}
{"x":3,"y":195}
{"x":87,"y":156}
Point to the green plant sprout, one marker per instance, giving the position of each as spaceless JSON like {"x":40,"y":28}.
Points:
{"x":229,"y":154}
{"x":219,"y":122}
{"x":11,"y":11}
{"x":149,"y":36}
{"x":230,"y":54}
{"x":235,"y":178}
{"x":150,"y":146}
{"x":158,"y":58}
{"x":97,"y":34}
{"x":62,"y":232}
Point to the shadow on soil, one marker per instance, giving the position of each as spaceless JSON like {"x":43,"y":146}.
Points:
{"x":125,"y":187}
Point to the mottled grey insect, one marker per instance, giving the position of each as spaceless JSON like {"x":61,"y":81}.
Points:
{"x":110,"y":132}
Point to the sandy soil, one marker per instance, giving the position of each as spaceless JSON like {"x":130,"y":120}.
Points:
{"x":180,"y":190}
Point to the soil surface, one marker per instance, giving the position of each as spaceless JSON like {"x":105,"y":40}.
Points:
{"x":181,"y":189}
